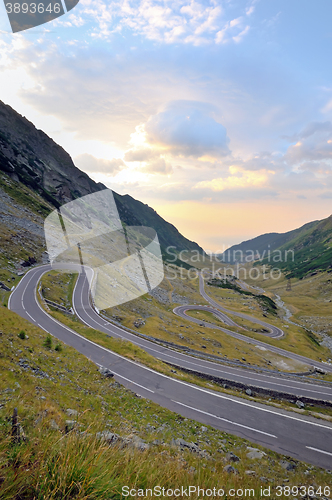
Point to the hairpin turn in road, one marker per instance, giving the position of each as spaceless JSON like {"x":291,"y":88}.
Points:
{"x":302,"y":437}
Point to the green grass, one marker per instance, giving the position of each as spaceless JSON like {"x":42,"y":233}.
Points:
{"x":24,"y":195}
{"x":231,"y":349}
{"x":312,"y":251}
{"x":266,"y":302}
{"x":48,"y":343}
{"x":190,"y":334}
{"x":296,"y":339}
{"x":119,"y":346}
{"x":53,"y":465}
{"x":58,"y":287}
{"x":58,"y":347}
{"x":238,"y":350}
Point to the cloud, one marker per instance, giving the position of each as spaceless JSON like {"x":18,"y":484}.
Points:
{"x":314,"y":142}
{"x":96,"y":93}
{"x":314,"y":127}
{"x":91,"y":164}
{"x":175,"y":191}
{"x":327,"y":195}
{"x":188,"y":22}
{"x":328,"y":107}
{"x":251,"y":8}
{"x":158,"y":166}
{"x":238,"y":178}
{"x":292,"y":183}
{"x":261,"y":176}
{"x":185,"y":21}
{"x":238,"y":38}
{"x":264,"y":160}
{"x":233,"y":30}
{"x":321,"y":168}
{"x":102,"y":93}
{"x":188,"y":128}
{"x":154,"y":163}
{"x":143,"y":154}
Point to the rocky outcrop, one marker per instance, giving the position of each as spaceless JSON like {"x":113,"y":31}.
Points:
{"x":32,"y":158}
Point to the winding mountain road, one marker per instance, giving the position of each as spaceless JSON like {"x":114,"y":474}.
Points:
{"x":299,"y":436}
{"x":275,"y":332}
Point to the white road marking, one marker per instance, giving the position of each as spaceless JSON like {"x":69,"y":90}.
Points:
{"x":219,"y":307}
{"x":132,"y":382}
{"x":225,"y":420}
{"x":208,"y":392}
{"x":189,"y":362}
{"x":250,"y":340}
{"x":198,"y":388}
{"x":220,"y":396}
{"x":43,"y":328}
{"x":219,"y":370}
{"x":319,"y":451}
{"x":31,"y":317}
{"x":243,"y":376}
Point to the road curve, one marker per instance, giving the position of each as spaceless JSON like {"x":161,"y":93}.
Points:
{"x":299,"y":436}
{"x":88,"y":315}
{"x":275,"y":331}
{"x":219,"y":311}
{"x":181,"y":311}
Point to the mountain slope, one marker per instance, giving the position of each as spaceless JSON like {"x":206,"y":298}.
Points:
{"x":297,"y":252}
{"x":31,"y":157}
{"x":32,"y":160}
{"x":312,"y":250}
{"x":167,"y":233}
{"x":260,"y":244}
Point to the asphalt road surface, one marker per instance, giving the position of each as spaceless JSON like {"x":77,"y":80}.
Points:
{"x":299,"y":436}
{"x":275,"y":332}
{"x":181,"y":311}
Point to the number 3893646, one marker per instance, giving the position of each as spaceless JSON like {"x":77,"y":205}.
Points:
{"x":32,"y":8}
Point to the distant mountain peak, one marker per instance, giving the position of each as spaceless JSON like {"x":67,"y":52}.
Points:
{"x":309,"y":245}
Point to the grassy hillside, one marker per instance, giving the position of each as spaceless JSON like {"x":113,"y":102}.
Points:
{"x":299,"y":252}
{"x":63,"y":403}
{"x":180,"y":332}
{"x":22,"y":213}
{"x":308,"y":300}
{"x":153,"y":315}
{"x":312,"y":251}
{"x":261,"y":244}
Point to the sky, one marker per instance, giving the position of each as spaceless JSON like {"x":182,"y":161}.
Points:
{"x":218,"y":114}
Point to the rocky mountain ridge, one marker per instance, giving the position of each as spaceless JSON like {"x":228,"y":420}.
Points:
{"x":32,"y":159}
